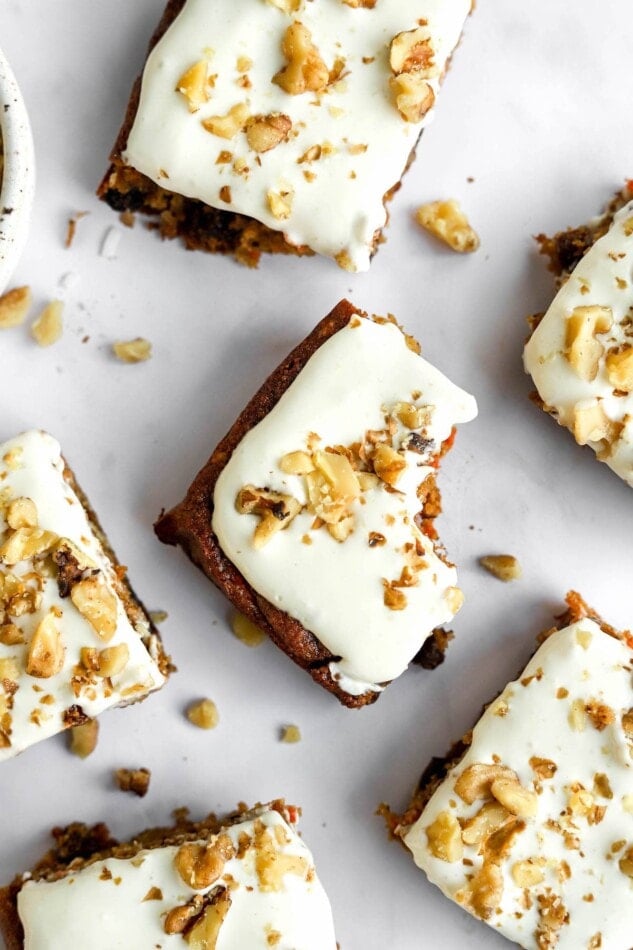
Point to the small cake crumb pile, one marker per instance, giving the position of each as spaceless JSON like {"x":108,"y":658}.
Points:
{"x":48,"y":327}
{"x":133,"y":780}
{"x":447,"y":222}
{"x":246,"y":631}
{"x":290,"y":734}
{"x":133,"y":351}
{"x":505,"y":567}
{"x":83,"y":738}
{"x":203,"y":714}
{"x":14,"y":306}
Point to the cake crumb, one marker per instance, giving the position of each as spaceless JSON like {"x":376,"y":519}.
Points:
{"x":127,"y":218}
{"x":14,"y":306}
{"x":290,"y":734}
{"x":133,"y":780}
{"x":110,"y":244}
{"x":158,"y":616}
{"x":447,"y":222}
{"x":71,"y":229}
{"x":203,"y":714}
{"x":48,"y":327}
{"x":133,"y":351}
{"x":246,"y":631}
{"x":83,"y":738}
{"x":505,"y":567}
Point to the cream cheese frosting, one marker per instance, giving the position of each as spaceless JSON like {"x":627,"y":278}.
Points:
{"x":325,"y":184}
{"x":349,"y":593}
{"x":44,"y":685}
{"x":267,"y":891}
{"x":554,"y":866}
{"x":581,"y":354}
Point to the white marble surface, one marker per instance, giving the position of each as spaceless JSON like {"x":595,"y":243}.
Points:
{"x":537,"y":111}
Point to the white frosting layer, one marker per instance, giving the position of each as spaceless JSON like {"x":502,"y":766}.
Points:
{"x":109,"y":911}
{"x":31,"y":466}
{"x":340,"y":211}
{"x":604,"y":278}
{"x":576,"y":667}
{"x":336,"y":589}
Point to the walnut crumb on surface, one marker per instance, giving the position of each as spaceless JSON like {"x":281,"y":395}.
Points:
{"x":14,"y":306}
{"x":246,"y":631}
{"x":71,"y":228}
{"x":203,"y":714}
{"x":133,"y":780}
{"x":505,"y":567}
{"x":48,"y":327}
{"x":446,"y":221}
{"x":290,"y":734}
{"x":83,"y":738}
{"x":133,"y":351}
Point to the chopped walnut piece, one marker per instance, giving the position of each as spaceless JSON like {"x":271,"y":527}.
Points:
{"x":71,"y":564}
{"x":487,"y":820}
{"x":227,"y":126}
{"x":412,"y":52}
{"x":203,"y":714}
{"x":454,"y":597}
{"x":246,"y":631}
{"x":599,"y":714}
{"x":48,"y":327}
{"x":286,"y":6}
{"x":411,"y":416}
{"x":389,"y":465}
{"x":264,"y":132}
{"x":14,"y":306}
{"x":296,"y":463}
{"x":365,"y":4}
{"x":275,"y":510}
{"x":193,"y":85}
{"x":446,"y":221}
{"x":25,"y":543}
{"x":306,"y":71}
{"x":10,"y":635}
{"x":482,"y":895}
{"x":626,"y":862}
{"x":591,"y":424}
{"x":393,"y":598}
{"x":83,"y":738}
{"x":22,"y":513}
{"x":112,"y":660}
{"x":45,"y":656}
{"x":582,"y":350}
{"x":339,"y":474}
{"x":291,"y":734}
{"x":475,"y":782}
{"x":577,"y":717}
{"x":280,"y":202}
{"x":619,"y":366}
{"x":527,"y":873}
{"x":544,"y":768}
{"x":97,"y":604}
{"x":445,"y":838}
{"x":133,"y":780}
{"x":205,"y":932}
{"x":342,"y":529}
{"x":413,"y":96}
{"x":627,"y":723}
{"x":200,"y":865}
{"x":520,"y":801}
{"x":503,"y":566}
{"x":132,"y":351}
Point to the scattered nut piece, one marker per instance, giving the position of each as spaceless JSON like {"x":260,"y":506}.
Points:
{"x":97,"y":604}
{"x":203,"y":714}
{"x":201,"y":865}
{"x":389,"y":465}
{"x":626,"y":862}
{"x":286,"y":6}
{"x":264,"y":132}
{"x":133,"y":351}
{"x":591,"y":424}
{"x":485,"y":822}
{"x":290,"y":734}
{"x":276,"y":511}
{"x":193,"y":85}
{"x":503,"y":566}
{"x":365,"y":4}
{"x":133,"y":780}
{"x":48,"y":327}
{"x":246,"y":631}
{"x":227,"y":126}
{"x":582,"y":350}
{"x":296,"y":463}
{"x":112,"y":660}
{"x":393,"y":597}
{"x":519,"y":801}
{"x":25,"y":543}
{"x":446,"y":221}
{"x":14,"y":306}
{"x":527,"y":873}
{"x":619,"y":367}
{"x":46,"y":651}
{"x":22,"y":513}
{"x":475,"y":781}
{"x":413,"y":96}
{"x":482,"y":895}
{"x":72,"y":227}
{"x":339,"y":473}
{"x":83,"y":738}
{"x":280,"y":203}
{"x":411,"y":52}
{"x":444,"y":838}
{"x":205,"y":932}
{"x":306,"y":71}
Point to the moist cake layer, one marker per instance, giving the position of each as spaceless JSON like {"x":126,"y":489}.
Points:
{"x":300,"y":115}
{"x":532,"y":830}
{"x":580,"y":356}
{"x":68,"y":649}
{"x":343,"y":454}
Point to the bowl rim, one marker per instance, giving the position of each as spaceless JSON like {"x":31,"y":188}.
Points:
{"x":18,"y":179}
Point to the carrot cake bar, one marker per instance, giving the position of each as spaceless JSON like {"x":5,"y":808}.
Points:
{"x":281,"y":125}
{"x":580,"y":354}
{"x":528,"y":824}
{"x":314,"y":515}
{"x":247,"y":881}
{"x":74,"y":640}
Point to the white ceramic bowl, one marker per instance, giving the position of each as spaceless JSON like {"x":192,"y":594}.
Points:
{"x":18,"y":181}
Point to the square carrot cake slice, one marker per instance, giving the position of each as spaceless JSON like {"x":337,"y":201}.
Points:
{"x":243,"y":882}
{"x":315,"y":514}
{"x":281,"y":125}
{"x":528,"y":823}
{"x":74,"y":639}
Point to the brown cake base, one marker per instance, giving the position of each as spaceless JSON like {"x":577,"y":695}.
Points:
{"x":189,"y":525}
{"x":78,"y":845}
{"x":439,"y":767}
